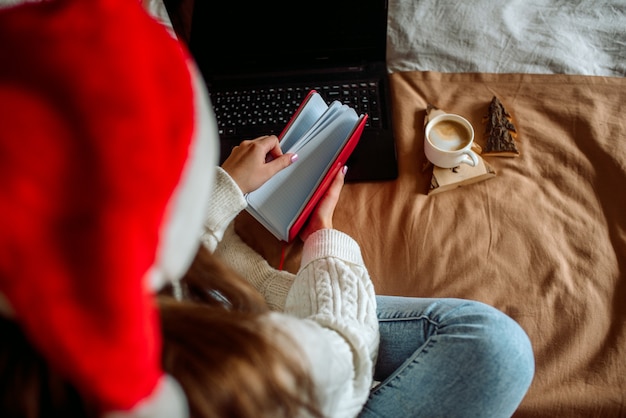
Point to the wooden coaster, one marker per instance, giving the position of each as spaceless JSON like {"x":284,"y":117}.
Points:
{"x":450,"y":178}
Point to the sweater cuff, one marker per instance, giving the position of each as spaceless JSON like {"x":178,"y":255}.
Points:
{"x":225,"y":203}
{"x":331,"y":243}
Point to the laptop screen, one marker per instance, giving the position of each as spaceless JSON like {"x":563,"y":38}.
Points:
{"x":231,"y":37}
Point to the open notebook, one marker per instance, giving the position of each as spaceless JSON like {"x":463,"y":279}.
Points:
{"x":323,"y":136}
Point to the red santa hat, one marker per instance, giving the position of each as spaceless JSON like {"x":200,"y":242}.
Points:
{"x":107,"y":155}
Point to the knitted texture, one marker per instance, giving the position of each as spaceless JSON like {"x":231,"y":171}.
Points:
{"x":225,"y":204}
{"x":343,"y":298}
{"x":329,"y":307}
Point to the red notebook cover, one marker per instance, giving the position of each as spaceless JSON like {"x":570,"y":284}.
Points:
{"x":339,"y":162}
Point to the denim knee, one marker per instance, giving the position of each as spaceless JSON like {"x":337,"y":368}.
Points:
{"x":500,"y":345}
{"x":449,"y":358}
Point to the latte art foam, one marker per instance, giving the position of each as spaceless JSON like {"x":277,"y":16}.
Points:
{"x":449,"y":135}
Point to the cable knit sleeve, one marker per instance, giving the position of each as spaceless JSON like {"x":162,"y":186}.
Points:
{"x":334,"y":290}
{"x":225,"y":203}
{"x":220,"y":237}
{"x":328,"y":309}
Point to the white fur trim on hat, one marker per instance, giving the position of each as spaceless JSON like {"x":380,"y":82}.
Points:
{"x":167,"y":401}
{"x":187,"y":208}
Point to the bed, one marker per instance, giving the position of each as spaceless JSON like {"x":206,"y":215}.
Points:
{"x":545,"y":239}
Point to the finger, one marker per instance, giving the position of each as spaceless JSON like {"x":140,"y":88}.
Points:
{"x":326,"y":206}
{"x":271,"y":147}
{"x":282,"y":162}
{"x":338,"y":182}
{"x":269,"y":144}
{"x":257,"y":139}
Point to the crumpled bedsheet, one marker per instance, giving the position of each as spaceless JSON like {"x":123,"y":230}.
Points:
{"x":584,"y":37}
{"x":544,"y":241}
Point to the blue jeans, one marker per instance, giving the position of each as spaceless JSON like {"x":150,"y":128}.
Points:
{"x":448,"y":358}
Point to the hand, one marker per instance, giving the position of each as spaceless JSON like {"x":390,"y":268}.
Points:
{"x":322,"y":216}
{"x":252,"y":163}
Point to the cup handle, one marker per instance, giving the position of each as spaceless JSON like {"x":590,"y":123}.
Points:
{"x":470,"y":158}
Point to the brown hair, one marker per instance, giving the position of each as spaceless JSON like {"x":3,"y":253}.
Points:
{"x":229,"y":359}
{"x":217,"y":342}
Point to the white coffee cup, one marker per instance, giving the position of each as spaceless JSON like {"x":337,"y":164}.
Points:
{"x":448,"y":141}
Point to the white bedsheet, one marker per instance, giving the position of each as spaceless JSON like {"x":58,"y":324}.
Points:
{"x":515,"y":36}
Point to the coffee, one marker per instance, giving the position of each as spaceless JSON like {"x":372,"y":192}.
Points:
{"x":449,"y":135}
{"x":448,"y":141}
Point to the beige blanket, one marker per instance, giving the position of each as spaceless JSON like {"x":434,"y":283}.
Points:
{"x":544,"y":241}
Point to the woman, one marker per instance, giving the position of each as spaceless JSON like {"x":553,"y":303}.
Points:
{"x":111,"y":211}
{"x":108,"y":153}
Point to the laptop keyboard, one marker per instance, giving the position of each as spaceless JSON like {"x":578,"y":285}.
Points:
{"x":268,"y":110}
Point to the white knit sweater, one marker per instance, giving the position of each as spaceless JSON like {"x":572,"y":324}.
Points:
{"x":328,"y":308}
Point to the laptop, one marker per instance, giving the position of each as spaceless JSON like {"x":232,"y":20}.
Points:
{"x":279,"y":50}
